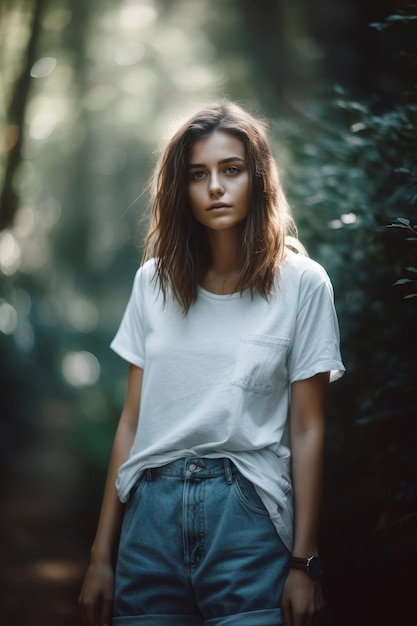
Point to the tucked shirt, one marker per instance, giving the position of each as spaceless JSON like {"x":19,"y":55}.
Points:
{"x":217,"y":381}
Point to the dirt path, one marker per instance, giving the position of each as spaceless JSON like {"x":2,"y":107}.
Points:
{"x":45,"y":532}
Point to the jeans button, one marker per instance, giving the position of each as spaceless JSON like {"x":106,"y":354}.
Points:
{"x":192,"y":467}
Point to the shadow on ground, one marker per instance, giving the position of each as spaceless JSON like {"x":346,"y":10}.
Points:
{"x":50,"y":502}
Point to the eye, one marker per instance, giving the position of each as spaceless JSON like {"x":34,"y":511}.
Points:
{"x":199,"y":175}
{"x":232,"y":170}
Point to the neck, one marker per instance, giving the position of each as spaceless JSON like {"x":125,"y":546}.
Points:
{"x":222,"y":273}
{"x":224,"y":247}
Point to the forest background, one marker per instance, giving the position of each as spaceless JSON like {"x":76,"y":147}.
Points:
{"x":88,"y":90}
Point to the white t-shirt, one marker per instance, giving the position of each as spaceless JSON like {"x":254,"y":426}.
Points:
{"x":216,"y":382}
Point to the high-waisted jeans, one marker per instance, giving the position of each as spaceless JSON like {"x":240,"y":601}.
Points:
{"x":198,"y":548}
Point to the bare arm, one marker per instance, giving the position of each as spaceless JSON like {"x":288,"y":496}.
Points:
{"x":302,"y":600}
{"x":96,"y":597}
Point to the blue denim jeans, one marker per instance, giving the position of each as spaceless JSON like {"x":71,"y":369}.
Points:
{"x":198,"y":548}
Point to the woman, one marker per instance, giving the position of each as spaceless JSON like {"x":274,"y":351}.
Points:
{"x":231,"y":339}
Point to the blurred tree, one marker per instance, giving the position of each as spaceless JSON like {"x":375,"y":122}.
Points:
{"x":14,"y":132}
{"x":300,"y":48}
{"x":353,"y":54}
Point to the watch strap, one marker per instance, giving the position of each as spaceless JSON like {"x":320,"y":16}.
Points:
{"x":312,"y":566}
{"x":299,"y":563}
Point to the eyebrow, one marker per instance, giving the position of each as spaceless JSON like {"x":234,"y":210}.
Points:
{"x":221,"y":162}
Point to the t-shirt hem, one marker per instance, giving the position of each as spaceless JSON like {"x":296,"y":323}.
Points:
{"x":132,"y":358}
{"x":336,"y":371}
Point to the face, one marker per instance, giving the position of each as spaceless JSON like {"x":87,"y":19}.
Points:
{"x":218,"y":187}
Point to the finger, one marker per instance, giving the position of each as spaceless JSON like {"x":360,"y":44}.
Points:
{"x":83,"y":611}
{"x":89,"y":610}
{"x":287,"y":615}
{"x":107,"y":612}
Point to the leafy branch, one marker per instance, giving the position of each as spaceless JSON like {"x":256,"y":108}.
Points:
{"x":404,"y":223}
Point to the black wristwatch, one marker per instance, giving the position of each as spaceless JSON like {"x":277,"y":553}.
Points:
{"x":313,"y":565}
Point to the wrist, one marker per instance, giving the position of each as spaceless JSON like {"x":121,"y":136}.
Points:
{"x":100,"y":557}
{"x":312,"y":565}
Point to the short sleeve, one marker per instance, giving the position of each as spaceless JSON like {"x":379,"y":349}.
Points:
{"x":316,"y":343}
{"x":129,"y":339}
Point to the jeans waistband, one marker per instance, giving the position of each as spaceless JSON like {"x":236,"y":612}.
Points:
{"x":195,"y":467}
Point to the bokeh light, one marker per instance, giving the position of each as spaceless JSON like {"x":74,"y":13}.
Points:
{"x":81,"y":368}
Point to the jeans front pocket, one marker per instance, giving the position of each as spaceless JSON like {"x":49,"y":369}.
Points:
{"x":260,"y":359}
{"x":248,"y":496}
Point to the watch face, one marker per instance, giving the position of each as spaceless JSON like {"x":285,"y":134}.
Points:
{"x":315,"y":567}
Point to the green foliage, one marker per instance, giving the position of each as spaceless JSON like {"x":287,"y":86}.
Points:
{"x":411,"y":229}
{"x":355,"y":172}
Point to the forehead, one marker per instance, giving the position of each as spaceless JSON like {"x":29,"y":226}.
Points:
{"x":217,"y":146}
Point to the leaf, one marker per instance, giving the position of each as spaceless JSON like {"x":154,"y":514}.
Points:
{"x":412,"y":269}
{"x":402,"y":281}
{"x":403,"y":220}
{"x":397,"y":226}
{"x":339,"y":89}
{"x":378,"y":25}
{"x":411,"y":238}
{"x":410,"y":295}
{"x":401,"y":18}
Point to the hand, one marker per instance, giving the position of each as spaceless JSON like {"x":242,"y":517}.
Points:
{"x":302,"y":601}
{"x":96,"y":598}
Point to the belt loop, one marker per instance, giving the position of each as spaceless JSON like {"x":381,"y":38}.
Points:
{"x":149,"y":474}
{"x":228,"y":471}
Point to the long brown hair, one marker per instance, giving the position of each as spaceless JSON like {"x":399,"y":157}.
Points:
{"x":175,"y":238}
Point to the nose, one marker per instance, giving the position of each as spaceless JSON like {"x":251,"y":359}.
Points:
{"x":215,"y":187}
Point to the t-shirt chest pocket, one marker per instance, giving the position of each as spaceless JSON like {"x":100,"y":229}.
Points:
{"x":260,"y":360}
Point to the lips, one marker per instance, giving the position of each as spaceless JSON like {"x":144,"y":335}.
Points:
{"x":218,"y":205}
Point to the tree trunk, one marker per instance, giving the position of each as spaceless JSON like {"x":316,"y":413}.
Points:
{"x":16,"y":116}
